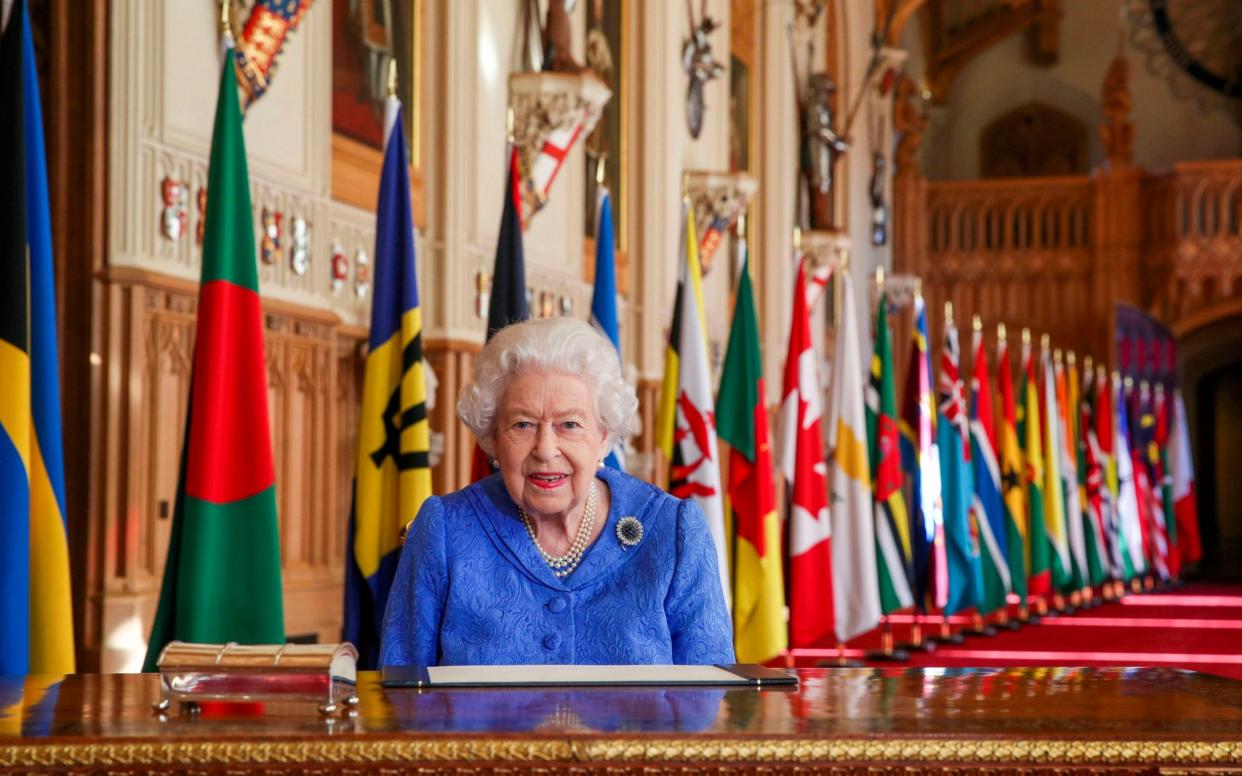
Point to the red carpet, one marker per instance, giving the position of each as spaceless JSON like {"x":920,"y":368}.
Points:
{"x":1197,"y":627}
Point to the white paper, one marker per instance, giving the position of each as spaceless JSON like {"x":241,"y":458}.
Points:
{"x":576,"y":674}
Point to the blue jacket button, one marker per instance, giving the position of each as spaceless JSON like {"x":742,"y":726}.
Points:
{"x":556,"y":605}
{"x":551,"y":641}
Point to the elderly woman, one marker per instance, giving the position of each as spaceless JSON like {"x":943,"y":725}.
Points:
{"x":555,"y":559}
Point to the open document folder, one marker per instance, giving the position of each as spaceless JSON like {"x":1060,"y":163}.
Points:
{"x":565,"y":676}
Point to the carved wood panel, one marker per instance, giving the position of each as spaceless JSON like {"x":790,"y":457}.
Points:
{"x":148,"y":355}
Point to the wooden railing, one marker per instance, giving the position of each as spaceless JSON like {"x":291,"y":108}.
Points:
{"x":1193,"y":239}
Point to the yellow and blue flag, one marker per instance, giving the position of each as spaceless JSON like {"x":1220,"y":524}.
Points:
{"x":35,"y":604}
{"x":392,"y":474}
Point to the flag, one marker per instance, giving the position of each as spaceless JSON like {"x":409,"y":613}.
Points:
{"x":1185,"y":504}
{"x":856,"y":590}
{"x":1091,"y":479}
{"x":1054,"y":492}
{"x":742,"y":409}
{"x":989,"y":508}
{"x":1067,"y":409}
{"x":392,"y":474}
{"x":920,"y":458}
{"x":604,"y":297}
{"x":1017,"y":528}
{"x":958,"y":488}
{"x":686,"y":422}
{"x":1129,"y":520}
{"x":1107,"y":439}
{"x":35,"y":605}
{"x":222,"y":577}
{"x":1147,"y":481}
{"x":1164,"y":481}
{"x":806,"y":477}
{"x":507,"y":300}
{"x":1039,"y":552}
{"x":892,"y":527}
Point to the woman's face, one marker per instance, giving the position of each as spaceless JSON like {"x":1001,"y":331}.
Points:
{"x":548,"y":442}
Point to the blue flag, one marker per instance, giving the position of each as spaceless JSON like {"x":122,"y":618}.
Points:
{"x":604,"y":297}
{"x":35,"y":602}
{"x":392,"y":474}
{"x":957,"y":483}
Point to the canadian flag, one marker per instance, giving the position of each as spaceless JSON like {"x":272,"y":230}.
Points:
{"x":806,"y":474}
{"x":1185,"y":506}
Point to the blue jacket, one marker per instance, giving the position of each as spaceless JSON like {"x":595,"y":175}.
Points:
{"x":472,"y":589}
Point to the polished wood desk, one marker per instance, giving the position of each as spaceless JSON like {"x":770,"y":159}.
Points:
{"x":837,"y":720}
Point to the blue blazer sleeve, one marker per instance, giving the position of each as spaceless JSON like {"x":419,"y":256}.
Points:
{"x":416,"y":601}
{"x":698,"y":620}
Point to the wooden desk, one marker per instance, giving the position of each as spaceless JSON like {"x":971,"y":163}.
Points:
{"x":842,"y":720}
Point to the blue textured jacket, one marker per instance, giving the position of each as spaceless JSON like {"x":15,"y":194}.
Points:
{"x":472,"y":589}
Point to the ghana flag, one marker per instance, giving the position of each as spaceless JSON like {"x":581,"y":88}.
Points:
{"x":34,"y":556}
{"x":742,"y":418}
{"x":392,"y":474}
{"x":222,"y":578}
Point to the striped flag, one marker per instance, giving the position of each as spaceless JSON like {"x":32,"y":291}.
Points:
{"x":1165,"y":481}
{"x":1017,"y":527}
{"x":686,"y":423}
{"x":1106,"y":438}
{"x":989,"y":508}
{"x":392,"y":474}
{"x":604,"y":297}
{"x":35,"y":605}
{"x":1181,"y":465}
{"x":1039,"y":551}
{"x":806,"y":477}
{"x":506,"y":303}
{"x":222,"y":579}
{"x":1067,"y":410}
{"x":892,"y":526}
{"x":920,"y":458}
{"x":1054,"y":486}
{"x":958,"y":488}
{"x":1134,"y":560}
{"x":759,"y":632}
{"x":1091,"y":477}
{"x":1146,"y":480}
{"x":856,"y":590}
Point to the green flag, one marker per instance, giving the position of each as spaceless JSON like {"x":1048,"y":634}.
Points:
{"x":222,"y":577}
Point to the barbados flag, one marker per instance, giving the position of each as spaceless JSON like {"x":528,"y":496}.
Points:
{"x":35,"y":606}
{"x":392,"y":475}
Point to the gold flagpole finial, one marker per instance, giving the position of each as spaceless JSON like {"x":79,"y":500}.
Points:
{"x":1088,"y":364}
{"x":1045,"y":341}
{"x":1026,"y":336}
{"x":1056,"y":356}
{"x":741,"y":225}
{"x":879,"y":277}
{"x":509,"y":124}
{"x":918,"y":286}
{"x":226,"y":21}
{"x":599,"y":170}
{"x":948,"y":313}
{"x":976,"y":322}
{"x":1070,"y":358}
{"x":392,"y":77}
{"x":797,"y":238}
{"x":1000,"y":332}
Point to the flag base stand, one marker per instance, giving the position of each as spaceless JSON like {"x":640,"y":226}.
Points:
{"x":1025,"y":617}
{"x":1003,"y":620}
{"x":841,"y":660}
{"x":979,"y":628}
{"x":917,"y":643}
{"x":1136,"y":585}
{"x":946,"y":636}
{"x":887,"y":652}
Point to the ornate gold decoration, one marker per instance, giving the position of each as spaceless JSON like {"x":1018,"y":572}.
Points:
{"x":585,"y":752}
{"x":718,"y":198}
{"x":550,"y":112}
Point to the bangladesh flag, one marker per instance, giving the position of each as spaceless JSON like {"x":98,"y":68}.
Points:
{"x":222,"y":577}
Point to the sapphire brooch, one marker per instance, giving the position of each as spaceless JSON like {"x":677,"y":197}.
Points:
{"x":629,"y":531}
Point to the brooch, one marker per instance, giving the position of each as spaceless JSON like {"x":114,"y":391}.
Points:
{"x":629,"y":531}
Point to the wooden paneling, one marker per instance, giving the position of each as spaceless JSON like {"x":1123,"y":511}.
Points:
{"x":147,"y":361}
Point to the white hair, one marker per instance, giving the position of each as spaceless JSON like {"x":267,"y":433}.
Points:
{"x":549,"y":345}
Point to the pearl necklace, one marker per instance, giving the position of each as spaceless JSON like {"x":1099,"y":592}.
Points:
{"x":564,"y":565}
